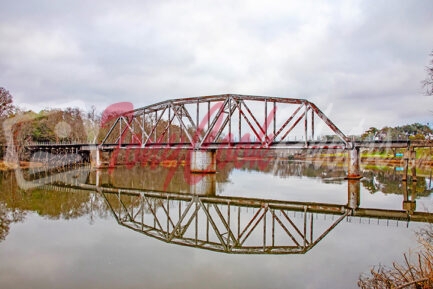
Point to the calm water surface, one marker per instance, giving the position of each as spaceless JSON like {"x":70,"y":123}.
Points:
{"x":65,"y":234}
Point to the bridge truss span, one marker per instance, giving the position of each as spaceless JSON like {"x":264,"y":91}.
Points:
{"x":224,"y":121}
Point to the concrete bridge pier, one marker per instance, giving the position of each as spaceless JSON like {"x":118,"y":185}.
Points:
{"x":203,"y":184}
{"x":203,"y":161}
{"x":353,"y":166}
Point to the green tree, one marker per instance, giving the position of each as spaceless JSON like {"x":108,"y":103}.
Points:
{"x":370,"y":133}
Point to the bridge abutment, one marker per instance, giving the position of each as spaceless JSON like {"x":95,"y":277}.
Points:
{"x":203,"y":161}
{"x":354,"y":172}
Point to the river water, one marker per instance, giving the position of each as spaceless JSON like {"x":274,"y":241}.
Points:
{"x":260,"y":224}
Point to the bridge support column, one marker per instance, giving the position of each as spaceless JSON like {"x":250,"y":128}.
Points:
{"x":203,"y":184}
{"x":409,"y":157}
{"x":409,"y":204}
{"x":95,"y":158}
{"x":353,"y":172}
{"x":203,"y":161}
{"x":353,"y":193}
{"x":413,"y":164}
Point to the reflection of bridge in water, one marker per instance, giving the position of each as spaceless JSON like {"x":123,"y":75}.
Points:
{"x":236,"y":225}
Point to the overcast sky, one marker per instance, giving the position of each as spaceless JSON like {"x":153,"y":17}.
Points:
{"x":366,"y":58}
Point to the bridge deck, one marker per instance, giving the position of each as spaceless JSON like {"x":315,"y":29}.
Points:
{"x":239,"y":145}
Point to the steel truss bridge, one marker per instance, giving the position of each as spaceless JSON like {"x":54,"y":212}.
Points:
{"x":233,"y":121}
{"x":228,"y":121}
{"x":224,"y":121}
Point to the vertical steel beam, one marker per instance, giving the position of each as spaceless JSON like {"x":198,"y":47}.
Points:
{"x":143,"y":127}
{"x":305,"y":226}
{"x":197,"y":116}
{"x":120,"y":132}
{"x":275,"y":117}
{"x":240,"y":120}
{"x":155,"y":125}
{"x":266,"y":121}
{"x":169,"y":124}
{"x":208,"y":115}
{"x":306,"y":125}
{"x":264,"y":227}
{"x":230,"y":120}
{"x":168,"y":217}
{"x":312,"y":125}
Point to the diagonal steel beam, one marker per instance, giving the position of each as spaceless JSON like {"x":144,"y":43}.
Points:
{"x":293,"y":126}
{"x":128,"y":126}
{"x":179,"y":222}
{"x":167,"y":127}
{"x":141,"y":127}
{"x":293,"y":224}
{"x":155,"y":126}
{"x":110,"y":131}
{"x":254,"y":118}
{"x":285,"y":228}
{"x":214,"y":121}
{"x":182,"y":124}
{"x":225,"y":121}
{"x":226,"y":225}
{"x":248,"y":121}
{"x":330,"y":124}
{"x":253,"y":226}
{"x":214,"y":226}
{"x":287,"y":122}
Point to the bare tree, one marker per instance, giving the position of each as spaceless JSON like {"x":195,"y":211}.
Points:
{"x":6,"y":106}
{"x":91,"y":124}
{"x":413,"y":273}
{"x":427,"y":83}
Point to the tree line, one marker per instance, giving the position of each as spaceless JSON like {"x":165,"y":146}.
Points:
{"x":415,"y":131}
{"x":49,"y":125}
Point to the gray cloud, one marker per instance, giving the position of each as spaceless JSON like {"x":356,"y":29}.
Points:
{"x":367,"y":58}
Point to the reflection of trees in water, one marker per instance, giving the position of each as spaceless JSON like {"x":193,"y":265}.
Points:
{"x":389,"y":182}
{"x":9,"y":212}
{"x":283,"y":168}
{"x":8,"y":216}
{"x":15,"y":203}
{"x":158,"y":178}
